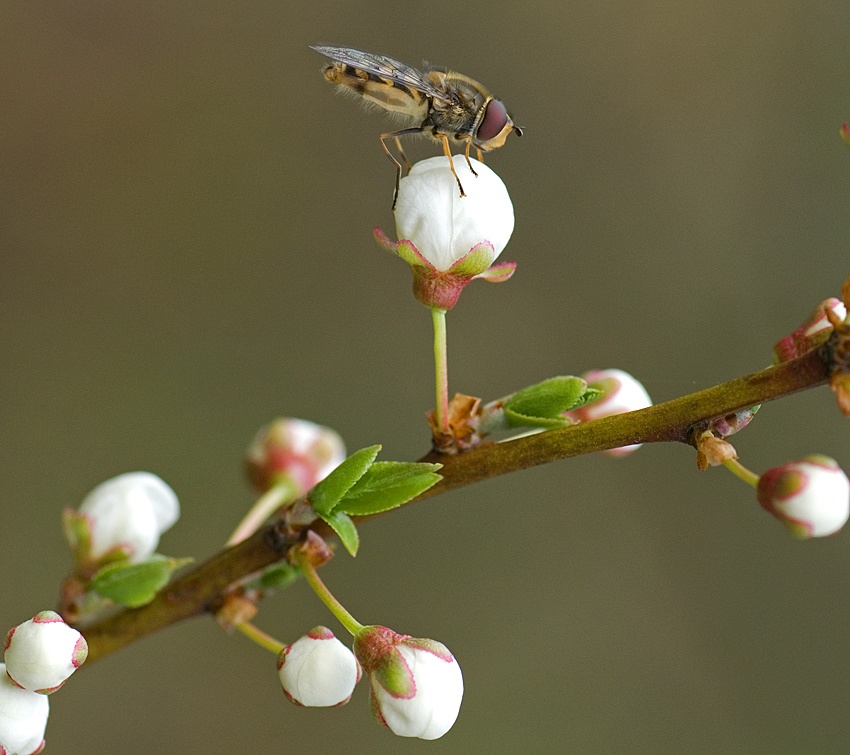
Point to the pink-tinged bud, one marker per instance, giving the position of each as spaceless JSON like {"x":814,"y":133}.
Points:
{"x":416,"y":684}
{"x":43,"y":652}
{"x":811,"y":334}
{"x":23,"y":718}
{"x":318,"y":670}
{"x":811,"y":496}
{"x":449,"y":240}
{"x":621,"y":393}
{"x":128,"y":513}
{"x":300,"y":452}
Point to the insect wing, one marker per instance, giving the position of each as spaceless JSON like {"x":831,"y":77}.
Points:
{"x":385,"y":67}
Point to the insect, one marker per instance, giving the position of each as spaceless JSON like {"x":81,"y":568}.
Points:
{"x":446,"y":105}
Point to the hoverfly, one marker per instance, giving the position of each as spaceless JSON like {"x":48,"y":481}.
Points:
{"x":444,"y":103}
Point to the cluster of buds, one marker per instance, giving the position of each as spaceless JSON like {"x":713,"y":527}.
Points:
{"x":39,"y":656}
{"x":416,"y":685}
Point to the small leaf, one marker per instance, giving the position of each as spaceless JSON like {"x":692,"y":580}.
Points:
{"x":543,"y":404}
{"x":515,"y":419}
{"x":345,"y":528}
{"x":279,"y":576}
{"x":329,"y":491}
{"x":386,"y":485}
{"x":134,"y":585}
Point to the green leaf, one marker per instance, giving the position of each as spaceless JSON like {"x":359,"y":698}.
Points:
{"x":135,"y":585}
{"x":279,"y":576}
{"x":329,"y":491}
{"x":343,"y":525}
{"x":386,"y":485}
{"x":543,"y":404}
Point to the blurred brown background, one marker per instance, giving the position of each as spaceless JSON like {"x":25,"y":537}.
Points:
{"x":186,"y":253}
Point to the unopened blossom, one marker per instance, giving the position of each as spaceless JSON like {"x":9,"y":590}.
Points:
{"x":621,"y":393}
{"x":128,"y":513}
{"x":810,"y":496}
{"x":317,"y":670}
{"x":43,"y":652}
{"x":297,"y":451}
{"x":812,"y":333}
{"x":23,"y":718}
{"x":448,"y":239}
{"x":416,"y":684}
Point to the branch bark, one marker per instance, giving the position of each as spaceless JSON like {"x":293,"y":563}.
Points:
{"x":202,"y":589}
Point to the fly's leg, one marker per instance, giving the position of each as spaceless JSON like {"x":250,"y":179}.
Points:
{"x":448,"y":153}
{"x":395,"y":135}
{"x":468,"y":139}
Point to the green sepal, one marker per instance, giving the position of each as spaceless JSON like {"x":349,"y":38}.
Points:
{"x":345,"y":528}
{"x":543,"y":404}
{"x":77,"y":530}
{"x":386,"y":485}
{"x":325,"y":496}
{"x":134,"y":585}
{"x":279,"y":576}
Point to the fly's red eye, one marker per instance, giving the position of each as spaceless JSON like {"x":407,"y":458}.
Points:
{"x":494,"y":120}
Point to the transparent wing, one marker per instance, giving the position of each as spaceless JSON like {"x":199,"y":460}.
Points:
{"x":387,"y":68}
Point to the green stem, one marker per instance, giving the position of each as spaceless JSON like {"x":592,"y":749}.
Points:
{"x":260,"y":637}
{"x":334,"y":606}
{"x":740,"y":471}
{"x":441,"y":369}
{"x":285,"y":491}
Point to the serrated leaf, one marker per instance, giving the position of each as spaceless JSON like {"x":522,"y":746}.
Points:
{"x":329,"y":491}
{"x":589,"y":396}
{"x":345,"y":528}
{"x":134,"y":585}
{"x":386,"y":485}
{"x":549,"y":398}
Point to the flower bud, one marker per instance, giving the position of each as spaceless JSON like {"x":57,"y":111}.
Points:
{"x":811,"y":334}
{"x":448,"y":239}
{"x":442,"y":224}
{"x":318,"y":670}
{"x":43,"y":652}
{"x":301,"y":452}
{"x":23,"y":718}
{"x":622,"y":393}
{"x":811,"y":496}
{"x":128,"y":513}
{"x":416,"y":684}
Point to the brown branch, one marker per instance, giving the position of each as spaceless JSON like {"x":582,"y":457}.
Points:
{"x":203,"y":588}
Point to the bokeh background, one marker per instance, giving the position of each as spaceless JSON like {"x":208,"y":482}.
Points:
{"x":186,"y":253}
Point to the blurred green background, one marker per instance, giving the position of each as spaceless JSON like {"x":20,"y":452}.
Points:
{"x":186,"y":254}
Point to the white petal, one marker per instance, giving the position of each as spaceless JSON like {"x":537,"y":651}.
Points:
{"x":23,"y":717}
{"x":443,"y":225}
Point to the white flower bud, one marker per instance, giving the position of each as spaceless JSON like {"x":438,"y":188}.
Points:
{"x":43,"y":652}
{"x":23,"y":718}
{"x":416,"y":684}
{"x":130,"y":511}
{"x":622,"y":393}
{"x":302,"y":451}
{"x":811,"y":496}
{"x":317,"y":670}
{"x":443,"y":225}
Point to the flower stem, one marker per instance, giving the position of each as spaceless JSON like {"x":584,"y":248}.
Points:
{"x":260,"y":637}
{"x":442,"y":369}
{"x":740,"y":471}
{"x":336,"y":608}
{"x":284,"y":491}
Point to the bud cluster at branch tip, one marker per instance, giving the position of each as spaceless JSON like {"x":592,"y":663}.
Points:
{"x":449,"y":240}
